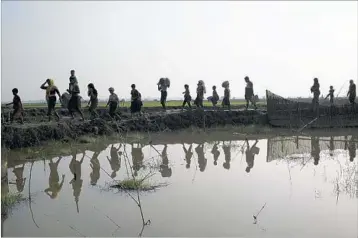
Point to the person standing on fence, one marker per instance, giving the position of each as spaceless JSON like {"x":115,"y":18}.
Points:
{"x":316,"y":92}
{"x":163,"y":85}
{"x":330,"y":95}
{"x":74,"y":104}
{"x":200,"y":91}
{"x":113,"y":102}
{"x":93,"y":102}
{"x":249,"y":93}
{"x":352,"y":92}
{"x":226,"y":99}
{"x":17,"y":106}
{"x":51,"y":91}
{"x":187,"y":97}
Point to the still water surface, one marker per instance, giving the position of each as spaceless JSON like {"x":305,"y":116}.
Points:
{"x":309,"y":186}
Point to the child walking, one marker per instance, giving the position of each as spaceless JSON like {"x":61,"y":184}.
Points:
{"x":330,"y":95}
{"x":17,"y":106}
{"x":187,"y":97}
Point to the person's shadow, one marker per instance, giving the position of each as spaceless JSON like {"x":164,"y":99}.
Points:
{"x":53,"y":181}
{"x":188,"y":154}
{"x":75,"y":168}
{"x":250,"y":155}
{"x":227,"y":153}
{"x":164,"y":167}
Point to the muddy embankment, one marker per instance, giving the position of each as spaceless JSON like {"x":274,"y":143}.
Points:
{"x":34,"y":133}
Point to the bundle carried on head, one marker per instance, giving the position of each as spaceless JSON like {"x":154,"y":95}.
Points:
{"x":164,"y":81}
{"x":225,"y":84}
{"x":202,"y":84}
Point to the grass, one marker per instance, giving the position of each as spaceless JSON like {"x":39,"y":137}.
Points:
{"x":135,"y":184}
{"x":146,"y":104}
{"x":9,"y":200}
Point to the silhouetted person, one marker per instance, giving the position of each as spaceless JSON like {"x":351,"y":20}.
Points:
{"x":115,"y":160}
{"x":316,"y":92}
{"x":200,"y":91}
{"x":75,"y":168}
{"x":249,"y":93}
{"x":331,"y":146}
{"x":17,"y":106}
{"x":214,"y":98}
{"x":51,"y":91}
{"x":136,"y":100}
{"x":113,"y":102}
{"x":330,"y":95}
{"x":227,"y":153}
{"x":74,"y":104}
{"x":137,"y":157}
{"x":188,"y":154}
{"x":226,"y":99}
{"x":93,"y":102}
{"x":352,"y":93}
{"x":164,"y":167}
{"x":250,"y":155}
{"x":201,"y":157}
{"x":352,"y":149}
{"x":315,"y":149}
{"x":163,"y":85}
{"x":53,"y":180}
{"x":216,"y":153}
{"x":187,"y":96}
{"x":20,"y":181}
{"x":96,"y":167}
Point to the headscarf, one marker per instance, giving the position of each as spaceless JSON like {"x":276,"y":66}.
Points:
{"x":51,"y":85}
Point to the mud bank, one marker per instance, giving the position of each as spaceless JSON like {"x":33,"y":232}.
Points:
{"x":34,"y":134}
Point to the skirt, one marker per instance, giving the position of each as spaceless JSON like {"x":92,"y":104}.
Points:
{"x":249,"y":93}
{"x":136,"y":106}
{"x":74,"y":103}
{"x":112,"y":108}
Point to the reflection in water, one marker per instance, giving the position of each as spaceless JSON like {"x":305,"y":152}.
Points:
{"x":164,"y":167}
{"x":75,"y":168}
{"x":114,"y":160}
{"x":137,"y":157}
{"x":20,"y":181}
{"x":315,"y":149}
{"x":188,"y":154}
{"x":331,"y":146}
{"x":352,"y":148}
{"x":250,"y":155}
{"x":53,"y":181}
{"x":201,"y":157}
{"x":95,"y":165}
{"x":216,"y":153}
{"x":227,"y":152}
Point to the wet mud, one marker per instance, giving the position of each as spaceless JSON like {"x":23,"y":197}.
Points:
{"x":34,"y":133}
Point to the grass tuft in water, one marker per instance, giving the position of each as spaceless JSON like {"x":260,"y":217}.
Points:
{"x":9,"y":200}
{"x":134,"y":184}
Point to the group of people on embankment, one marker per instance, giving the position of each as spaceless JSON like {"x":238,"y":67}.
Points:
{"x":315,"y":90}
{"x":74,"y":103}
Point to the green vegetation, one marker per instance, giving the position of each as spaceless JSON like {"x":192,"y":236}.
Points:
{"x":9,"y":200}
{"x":174,"y":103}
{"x":135,"y":184}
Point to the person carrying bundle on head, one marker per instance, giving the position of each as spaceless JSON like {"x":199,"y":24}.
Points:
{"x":163,"y":85}
{"x":113,"y":102}
{"x":226,"y":99}
{"x":74,"y":105}
{"x":316,"y":92}
{"x":200,"y":91}
{"x":51,"y":91}
{"x":352,"y":92}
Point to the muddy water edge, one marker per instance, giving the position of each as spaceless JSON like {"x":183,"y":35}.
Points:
{"x":207,"y":183}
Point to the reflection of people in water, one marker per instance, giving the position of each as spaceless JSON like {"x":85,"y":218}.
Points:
{"x":137,"y":157}
{"x":53,"y":180}
{"x":201,"y":157}
{"x":164,"y":167}
{"x":96,"y":167}
{"x":115,"y":160}
{"x":75,"y":168}
{"x":227,"y":152}
{"x":250,"y":155}
{"x":352,"y":148}
{"x":216,"y":153}
{"x":20,"y":181}
{"x":331,"y":146}
{"x":315,"y":149}
{"x":188,"y":154}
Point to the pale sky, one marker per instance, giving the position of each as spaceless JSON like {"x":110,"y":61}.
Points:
{"x":281,"y":46}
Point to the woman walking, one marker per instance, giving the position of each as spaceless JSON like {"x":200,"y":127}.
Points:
{"x":93,"y":102}
{"x":200,"y":91}
{"x":51,"y":91}
{"x":113,"y":102}
{"x":136,"y":101}
{"x":74,"y":104}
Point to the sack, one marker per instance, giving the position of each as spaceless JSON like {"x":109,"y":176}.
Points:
{"x":225,"y":84}
{"x":167,"y":82}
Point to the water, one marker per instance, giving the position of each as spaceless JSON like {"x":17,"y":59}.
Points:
{"x":213,"y":192}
